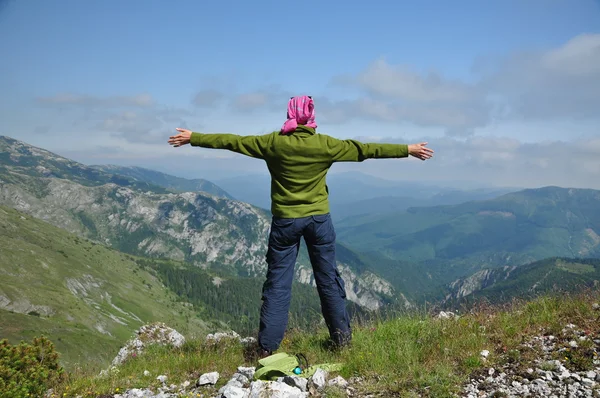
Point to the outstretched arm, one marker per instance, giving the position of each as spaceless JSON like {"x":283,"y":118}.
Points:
{"x":356,"y":151}
{"x":251,"y":145}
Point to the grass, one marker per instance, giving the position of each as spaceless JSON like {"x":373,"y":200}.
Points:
{"x":413,"y":355}
{"x":88,"y":299}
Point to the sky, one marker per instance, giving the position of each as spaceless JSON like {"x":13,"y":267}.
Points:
{"x":507,"y":92}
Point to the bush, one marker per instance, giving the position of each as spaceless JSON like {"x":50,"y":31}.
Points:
{"x":28,"y":369}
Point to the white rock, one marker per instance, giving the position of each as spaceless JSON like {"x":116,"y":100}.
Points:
{"x":447,"y":315}
{"x":338,"y":381}
{"x":296,"y":381}
{"x":240,"y":378}
{"x":564,"y":375}
{"x":573,"y":343}
{"x":185,"y":384}
{"x":261,"y":389}
{"x":162,"y":378}
{"x":587,"y":382}
{"x":221,"y":336}
{"x":319,"y":378}
{"x":484,"y":353}
{"x":248,"y":372}
{"x":231,"y":383}
{"x":208,"y":378}
{"x":155,"y":333}
{"x":146,"y":373}
{"x":491,"y":371}
{"x":248,"y":340}
{"x":234,"y":392}
{"x":590,"y":375}
{"x":596,"y":306}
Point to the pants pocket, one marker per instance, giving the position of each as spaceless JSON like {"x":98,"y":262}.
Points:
{"x":341,"y":285}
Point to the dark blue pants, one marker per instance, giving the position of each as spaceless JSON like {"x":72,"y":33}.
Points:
{"x":284,"y":242}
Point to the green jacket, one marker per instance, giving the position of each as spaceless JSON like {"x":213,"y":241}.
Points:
{"x":298,"y":164}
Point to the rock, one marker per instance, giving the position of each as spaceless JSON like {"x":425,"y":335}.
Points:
{"x":447,"y":315}
{"x":591,"y":375}
{"x":231,"y":383}
{"x":146,"y":373}
{"x":240,"y":378}
{"x":573,"y":344}
{"x":319,"y":378}
{"x":338,"y":381}
{"x":596,"y":306}
{"x":248,"y":341}
{"x":484,"y":353}
{"x":162,"y":378}
{"x":564,"y":375}
{"x":491,"y":371}
{"x":261,"y":389}
{"x":587,"y":382}
{"x":234,"y":392}
{"x":155,"y":333}
{"x":248,"y":372}
{"x":208,"y":379}
{"x":296,"y":381}
{"x":222,"y":336}
{"x":144,"y":393}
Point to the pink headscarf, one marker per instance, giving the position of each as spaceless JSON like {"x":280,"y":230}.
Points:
{"x":301,"y":110}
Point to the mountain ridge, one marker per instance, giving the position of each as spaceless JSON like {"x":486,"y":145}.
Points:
{"x":208,"y":231}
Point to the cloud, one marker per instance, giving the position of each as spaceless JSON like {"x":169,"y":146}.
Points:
{"x":561,"y":83}
{"x":135,"y":118}
{"x":498,"y":161}
{"x":144,"y":126}
{"x":488,"y":160}
{"x":396,"y":93}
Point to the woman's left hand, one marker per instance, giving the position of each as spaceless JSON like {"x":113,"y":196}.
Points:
{"x":180,"y":139}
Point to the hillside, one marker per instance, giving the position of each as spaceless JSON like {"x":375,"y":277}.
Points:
{"x":353,"y":194}
{"x":499,"y":285}
{"x":450,"y":242}
{"x":74,"y":290}
{"x":172,"y":183}
{"x":86,"y":297}
{"x":542,"y":348}
{"x":227,"y":236}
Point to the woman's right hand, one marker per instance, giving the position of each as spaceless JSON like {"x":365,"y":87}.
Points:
{"x":420,"y":151}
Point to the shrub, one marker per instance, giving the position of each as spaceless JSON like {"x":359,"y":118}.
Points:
{"x":28,"y":369}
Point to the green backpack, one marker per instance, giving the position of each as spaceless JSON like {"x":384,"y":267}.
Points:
{"x":283,"y":364}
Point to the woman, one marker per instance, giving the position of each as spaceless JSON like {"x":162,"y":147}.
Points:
{"x":298,"y":159}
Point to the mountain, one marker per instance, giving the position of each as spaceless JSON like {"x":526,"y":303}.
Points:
{"x":497,"y":285}
{"x":172,"y":183}
{"x":227,"y":236}
{"x":90,"y":298}
{"x":86,"y":297}
{"x":450,"y":242}
{"x":357,"y":194}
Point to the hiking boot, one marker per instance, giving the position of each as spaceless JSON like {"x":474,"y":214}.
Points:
{"x":262,"y":353}
{"x":255,"y":352}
